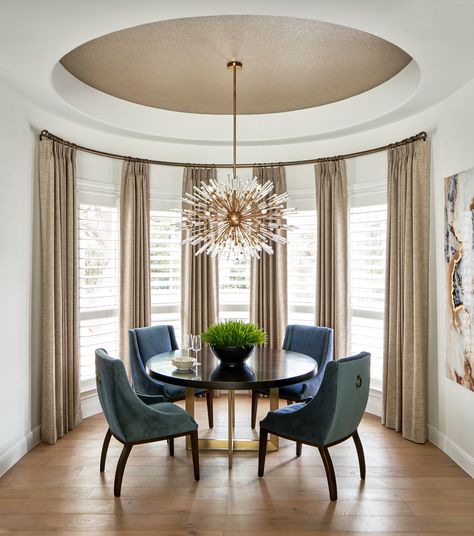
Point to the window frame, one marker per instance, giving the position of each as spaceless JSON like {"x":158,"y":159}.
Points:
{"x":102,"y":194}
{"x":240,"y":305}
{"x":295,"y":310}
{"x":173,"y":310}
{"x":365,"y":194}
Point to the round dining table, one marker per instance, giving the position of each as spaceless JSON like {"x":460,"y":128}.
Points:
{"x":266,"y":368}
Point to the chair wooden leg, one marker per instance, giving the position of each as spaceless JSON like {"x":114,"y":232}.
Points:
{"x":171,"y":445}
{"x":262,"y":451}
{"x":121,"y":468}
{"x":299,"y":447}
{"x":331,"y":477}
{"x":210,"y":409}
{"x":254,"y":409}
{"x":195,"y":453}
{"x":360,"y":453}
{"x":105,"y":448}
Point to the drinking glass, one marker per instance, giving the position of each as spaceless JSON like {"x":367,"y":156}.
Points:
{"x":196,"y":346}
{"x":187,"y":342}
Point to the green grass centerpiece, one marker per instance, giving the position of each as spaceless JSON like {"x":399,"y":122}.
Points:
{"x":233,"y":341}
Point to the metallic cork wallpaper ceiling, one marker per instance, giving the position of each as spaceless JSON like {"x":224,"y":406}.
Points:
{"x":288,"y":63}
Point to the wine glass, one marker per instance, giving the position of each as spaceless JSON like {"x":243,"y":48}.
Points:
{"x":187,"y":342}
{"x":196,"y":345}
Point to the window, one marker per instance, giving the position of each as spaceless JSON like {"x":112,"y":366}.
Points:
{"x":165,"y":270}
{"x":98,"y":285}
{"x":367,"y":232}
{"x":302,"y":267}
{"x":234,"y":289}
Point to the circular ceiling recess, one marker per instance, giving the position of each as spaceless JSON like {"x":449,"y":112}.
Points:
{"x":288,"y":63}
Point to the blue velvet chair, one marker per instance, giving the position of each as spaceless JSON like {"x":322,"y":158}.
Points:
{"x":132,"y":422}
{"x":144,"y":344}
{"x":315,"y":341}
{"x":331,"y":417}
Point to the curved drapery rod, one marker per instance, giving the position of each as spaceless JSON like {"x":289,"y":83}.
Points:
{"x":420,"y":136}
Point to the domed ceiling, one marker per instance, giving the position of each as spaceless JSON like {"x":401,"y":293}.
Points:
{"x":288,"y":63}
{"x":297,"y":56}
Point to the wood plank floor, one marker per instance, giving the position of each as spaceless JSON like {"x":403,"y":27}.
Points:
{"x":410,"y":489}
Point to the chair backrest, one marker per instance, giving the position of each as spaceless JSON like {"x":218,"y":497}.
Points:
{"x":116,"y":396}
{"x":315,"y":341}
{"x":342,"y":398}
{"x":145,"y":343}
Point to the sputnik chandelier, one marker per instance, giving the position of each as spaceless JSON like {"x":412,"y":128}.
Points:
{"x":241,"y":217}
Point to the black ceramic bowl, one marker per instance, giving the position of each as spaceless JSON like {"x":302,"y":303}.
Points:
{"x":232,"y":355}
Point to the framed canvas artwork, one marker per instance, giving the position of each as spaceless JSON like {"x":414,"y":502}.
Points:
{"x":459,"y":271}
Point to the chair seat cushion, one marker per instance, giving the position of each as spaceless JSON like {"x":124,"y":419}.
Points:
{"x":280,"y":421}
{"x":286,"y":409}
{"x":175,"y":392}
{"x":297,"y":391}
{"x":168,"y":407}
{"x":157,"y":421}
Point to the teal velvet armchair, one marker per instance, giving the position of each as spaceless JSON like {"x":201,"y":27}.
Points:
{"x":132,"y":422}
{"x":329,"y":418}
{"x":314,"y":341}
{"x":148,"y":342}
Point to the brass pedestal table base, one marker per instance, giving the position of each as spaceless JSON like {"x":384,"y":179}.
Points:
{"x":231,"y":444}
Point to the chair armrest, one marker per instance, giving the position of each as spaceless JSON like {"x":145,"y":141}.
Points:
{"x":151,"y":399}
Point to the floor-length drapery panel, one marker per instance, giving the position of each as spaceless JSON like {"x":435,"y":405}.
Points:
{"x":268,"y":278}
{"x":332,"y":302}
{"x":406,"y":291}
{"x":61,"y":396}
{"x":134,"y":251}
{"x":199,"y":273}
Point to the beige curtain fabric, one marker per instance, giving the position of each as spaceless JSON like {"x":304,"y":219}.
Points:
{"x":134,"y":251}
{"x":61,"y":395}
{"x":406,"y":291}
{"x":332,"y":306}
{"x":268,"y":281}
{"x":199,"y":274}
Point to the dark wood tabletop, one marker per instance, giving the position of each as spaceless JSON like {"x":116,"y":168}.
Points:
{"x":267,"y":367}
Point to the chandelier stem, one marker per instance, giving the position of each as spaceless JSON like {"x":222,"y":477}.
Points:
{"x":234,"y":66}
{"x":234,"y":113}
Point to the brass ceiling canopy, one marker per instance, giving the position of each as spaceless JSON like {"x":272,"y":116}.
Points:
{"x":290,"y":63}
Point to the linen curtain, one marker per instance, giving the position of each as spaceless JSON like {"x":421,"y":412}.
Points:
{"x":332,"y":308}
{"x":199,"y":274}
{"x":406,"y":291}
{"x":61,"y":396}
{"x":269,"y":279}
{"x":134,"y":251}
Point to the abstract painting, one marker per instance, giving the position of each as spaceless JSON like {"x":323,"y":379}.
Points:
{"x":459,"y":263}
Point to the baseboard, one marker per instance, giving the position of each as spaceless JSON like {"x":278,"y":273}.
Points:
{"x":19,"y":450}
{"x":90,"y":404}
{"x":454,"y":451}
{"x":374,"y":404}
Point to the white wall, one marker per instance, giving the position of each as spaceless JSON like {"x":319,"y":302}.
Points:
{"x":451,"y":414}
{"x":17,"y":416}
{"x":451,"y":406}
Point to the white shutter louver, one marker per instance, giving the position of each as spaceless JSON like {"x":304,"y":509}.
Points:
{"x":98,"y":285}
{"x":165,"y":269}
{"x":302,"y":268}
{"x":367,"y":234}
